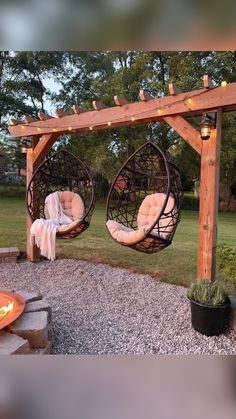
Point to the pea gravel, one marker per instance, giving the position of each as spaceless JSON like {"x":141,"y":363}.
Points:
{"x":98,"y":309}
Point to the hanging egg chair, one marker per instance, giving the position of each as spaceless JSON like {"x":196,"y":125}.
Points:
{"x":66,"y":174}
{"x":143,"y":205}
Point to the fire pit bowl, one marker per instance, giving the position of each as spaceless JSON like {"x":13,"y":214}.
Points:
{"x":12,"y":306}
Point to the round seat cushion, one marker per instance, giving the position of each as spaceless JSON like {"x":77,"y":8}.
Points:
{"x":150,"y":210}
{"x":72,"y":205}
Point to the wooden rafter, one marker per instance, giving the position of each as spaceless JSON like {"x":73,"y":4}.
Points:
{"x":183,"y":104}
{"x":44,"y":117}
{"x":120,"y":101}
{"x":174,"y":90}
{"x":145,"y":96}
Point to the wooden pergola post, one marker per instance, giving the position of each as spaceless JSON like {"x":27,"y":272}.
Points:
{"x":35,"y":156}
{"x":32,"y":251}
{"x":209,"y":202}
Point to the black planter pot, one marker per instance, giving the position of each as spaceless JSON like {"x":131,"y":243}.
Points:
{"x":210,"y":320}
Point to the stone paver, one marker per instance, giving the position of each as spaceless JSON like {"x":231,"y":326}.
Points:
{"x":9,"y":254}
{"x":29,"y":296}
{"x":32,"y":326}
{"x":40,"y":305}
{"x":44,"y":351}
{"x":12,"y":344}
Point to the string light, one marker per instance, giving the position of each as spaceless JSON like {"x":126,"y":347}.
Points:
{"x":224,"y":83}
{"x":91,"y":128}
{"x":22,"y":127}
{"x":109,"y":123}
{"x":39,"y":129}
{"x":133,"y":119}
{"x":70,"y":128}
{"x":159,"y":111}
{"x":190,"y":100}
{"x":54,"y":129}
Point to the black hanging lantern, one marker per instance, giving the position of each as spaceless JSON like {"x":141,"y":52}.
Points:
{"x":207,"y":124}
{"x":26,"y":143}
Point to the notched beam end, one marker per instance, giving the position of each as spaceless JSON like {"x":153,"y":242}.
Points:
{"x":120,"y":101}
{"x":44,"y":116}
{"x":13,"y":122}
{"x":174,"y":90}
{"x":145,"y":96}
{"x":76,"y":109}
{"x":98,"y":105}
{"x":207,"y":82}
{"x":60,"y":113}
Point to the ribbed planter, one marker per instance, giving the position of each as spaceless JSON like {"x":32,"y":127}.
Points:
{"x":210,"y":320}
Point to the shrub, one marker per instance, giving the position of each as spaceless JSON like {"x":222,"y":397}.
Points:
{"x":206,"y":292}
{"x":190,"y":203}
{"x":226,"y":259}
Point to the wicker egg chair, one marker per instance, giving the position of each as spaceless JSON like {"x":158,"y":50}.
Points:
{"x":64,"y":173}
{"x":143,"y":205}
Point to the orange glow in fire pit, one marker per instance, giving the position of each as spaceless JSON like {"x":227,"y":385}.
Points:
{"x":11,"y":307}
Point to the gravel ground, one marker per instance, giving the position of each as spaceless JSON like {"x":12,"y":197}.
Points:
{"x":98,"y":309}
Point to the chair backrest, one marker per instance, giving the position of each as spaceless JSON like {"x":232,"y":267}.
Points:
{"x":72,"y":205}
{"x":150,"y":210}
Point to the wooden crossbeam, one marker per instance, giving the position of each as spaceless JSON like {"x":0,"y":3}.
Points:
{"x":98,"y":105}
{"x":76,"y":109}
{"x":145,"y":96}
{"x":120,"y":101}
{"x":174,"y":90}
{"x":44,"y":117}
{"x":28,"y":119}
{"x":207,"y":82}
{"x":184,"y":104}
{"x":186,"y":131}
{"x":60,"y":113}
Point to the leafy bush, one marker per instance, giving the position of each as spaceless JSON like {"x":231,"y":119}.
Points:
{"x":206,"y":292}
{"x":16,"y":190}
{"x":226,"y":258}
{"x":190,"y":203}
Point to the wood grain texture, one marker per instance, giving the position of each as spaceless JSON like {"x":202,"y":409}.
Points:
{"x":209,"y":198}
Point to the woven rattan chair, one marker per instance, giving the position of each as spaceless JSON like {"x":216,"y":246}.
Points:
{"x":143,"y":205}
{"x":64,"y":173}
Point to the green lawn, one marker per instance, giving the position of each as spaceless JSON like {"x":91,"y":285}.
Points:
{"x":176,"y":264}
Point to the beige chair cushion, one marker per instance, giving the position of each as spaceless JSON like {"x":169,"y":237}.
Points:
{"x":124,"y":234}
{"x":149,"y":211}
{"x":72,"y":205}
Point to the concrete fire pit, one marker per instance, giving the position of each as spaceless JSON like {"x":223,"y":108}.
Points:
{"x":31,"y":332}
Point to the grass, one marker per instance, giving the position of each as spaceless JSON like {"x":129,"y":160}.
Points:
{"x":176,"y":264}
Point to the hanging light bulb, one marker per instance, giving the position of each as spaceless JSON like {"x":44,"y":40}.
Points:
{"x":206,"y":124}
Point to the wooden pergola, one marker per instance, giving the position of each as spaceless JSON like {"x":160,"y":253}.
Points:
{"x":173,"y":109}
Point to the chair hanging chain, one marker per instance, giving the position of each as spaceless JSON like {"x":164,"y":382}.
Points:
{"x":149,"y":138}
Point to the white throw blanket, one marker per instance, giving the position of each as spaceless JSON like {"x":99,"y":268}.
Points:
{"x":43,"y":232}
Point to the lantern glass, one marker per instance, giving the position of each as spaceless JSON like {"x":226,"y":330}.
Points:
{"x":205,"y":132}
{"x":23,"y":149}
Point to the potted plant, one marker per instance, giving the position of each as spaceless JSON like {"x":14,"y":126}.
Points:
{"x":210,"y":307}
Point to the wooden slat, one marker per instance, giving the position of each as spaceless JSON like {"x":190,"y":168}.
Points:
{"x":209,"y":198}
{"x":186,"y":131}
{"x":28,"y":119}
{"x":76,"y":109}
{"x":98,"y":105}
{"x":207,"y":82}
{"x":120,"y":101}
{"x":44,"y":116}
{"x":184,"y":104}
{"x":174,"y":90}
{"x":145,"y":96}
{"x":60,"y":113}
